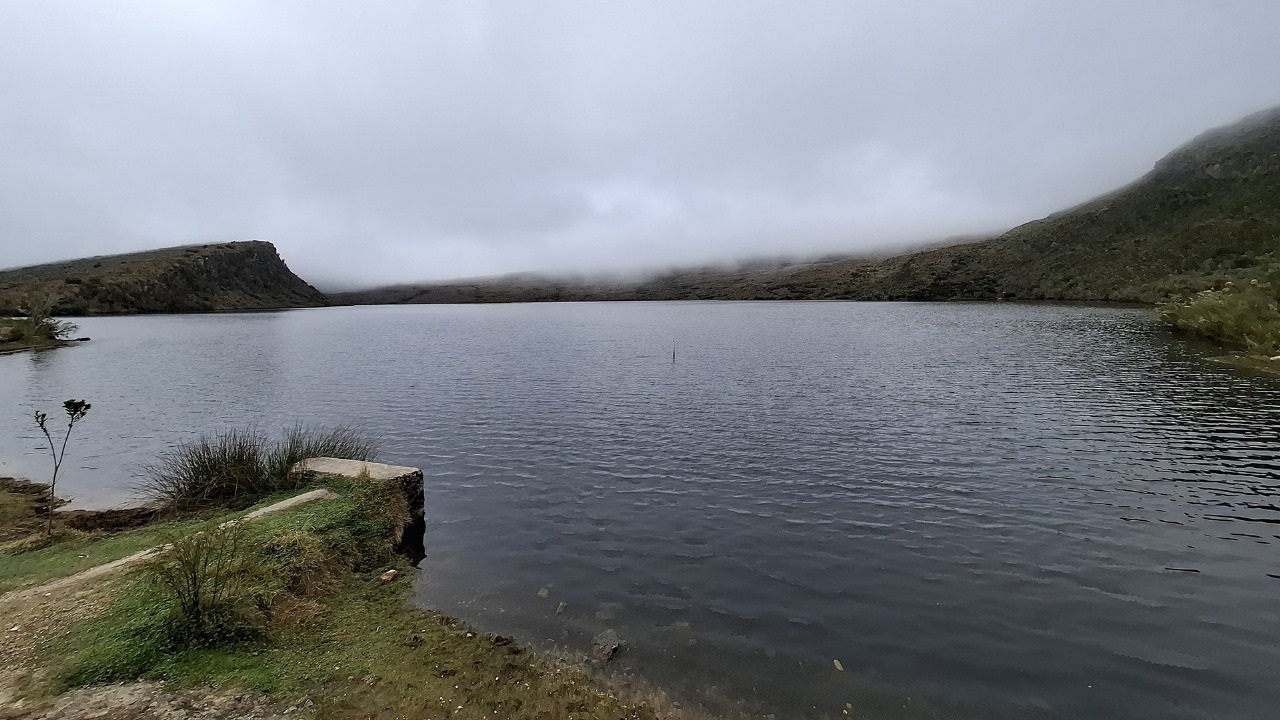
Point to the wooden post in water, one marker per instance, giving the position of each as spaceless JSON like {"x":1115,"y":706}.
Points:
{"x":673,"y":352}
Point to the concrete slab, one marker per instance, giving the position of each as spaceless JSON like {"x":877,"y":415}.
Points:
{"x":355,"y":469}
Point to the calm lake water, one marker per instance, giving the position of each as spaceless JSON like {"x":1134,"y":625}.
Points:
{"x":982,"y":511}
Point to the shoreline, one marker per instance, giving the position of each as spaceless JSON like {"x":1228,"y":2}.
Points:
{"x":1258,"y":363}
{"x":12,"y":348}
{"x":353,"y":645}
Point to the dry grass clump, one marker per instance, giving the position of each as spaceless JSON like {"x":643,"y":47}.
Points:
{"x":233,"y":468}
{"x":303,"y":441}
{"x":223,"y":468}
{"x":1245,"y":316}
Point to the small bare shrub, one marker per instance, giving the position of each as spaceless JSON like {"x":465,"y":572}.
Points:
{"x":40,"y":324}
{"x":76,"y":410}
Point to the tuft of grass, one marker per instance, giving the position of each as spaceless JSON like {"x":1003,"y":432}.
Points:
{"x":232,"y":468}
{"x":302,"y":441}
{"x":222,"y":468}
{"x":1244,"y":316}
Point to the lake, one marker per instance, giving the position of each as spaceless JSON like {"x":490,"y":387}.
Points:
{"x":979,"y":510}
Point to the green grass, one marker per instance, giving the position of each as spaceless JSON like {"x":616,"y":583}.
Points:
{"x":72,"y":552}
{"x":369,"y":653}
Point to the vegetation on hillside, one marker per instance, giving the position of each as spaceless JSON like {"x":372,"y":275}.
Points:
{"x":197,"y":278}
{"x":1245,"y":316}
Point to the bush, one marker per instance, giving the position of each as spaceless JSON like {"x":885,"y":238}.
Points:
{"x":1245,"y":316}
{"x":234,"y":468}
{"x":210,"y":580}
{"x":39,"y":323}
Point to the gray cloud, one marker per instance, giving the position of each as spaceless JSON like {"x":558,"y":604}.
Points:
{"x":394,"y":141}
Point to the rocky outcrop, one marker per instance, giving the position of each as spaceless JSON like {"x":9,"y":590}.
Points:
{"x":196,"y":278}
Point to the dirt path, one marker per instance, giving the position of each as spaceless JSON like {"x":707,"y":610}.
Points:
{"x":31,"y":626}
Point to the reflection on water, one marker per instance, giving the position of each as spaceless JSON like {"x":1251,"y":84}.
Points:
{"x":992,"y":511}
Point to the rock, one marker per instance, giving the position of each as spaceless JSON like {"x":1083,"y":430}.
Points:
{"x":1276,"y":358}
{"x":606,"y":645}
{"x":389,"y":575}
{"x":838,"y":665}
{"x":561,"y":608}
{"x":543,"y":593}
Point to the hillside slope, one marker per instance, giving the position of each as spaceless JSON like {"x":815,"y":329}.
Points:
{"x":196,"y":278}
{"x":1207,"y":213}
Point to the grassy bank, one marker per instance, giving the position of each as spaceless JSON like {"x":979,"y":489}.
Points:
{"x":1244,"y":317}
{"x":306,"y":622}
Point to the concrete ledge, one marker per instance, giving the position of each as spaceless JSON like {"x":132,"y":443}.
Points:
{"x":355,"y":469}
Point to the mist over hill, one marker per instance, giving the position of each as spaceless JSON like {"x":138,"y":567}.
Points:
{"x":1206,"y":213}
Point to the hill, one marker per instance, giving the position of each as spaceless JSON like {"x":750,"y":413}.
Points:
{"x":195,"y":278}
{"x":1207,"y":213}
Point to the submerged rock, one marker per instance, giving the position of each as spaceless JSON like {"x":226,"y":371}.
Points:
{"x":606,"y":645}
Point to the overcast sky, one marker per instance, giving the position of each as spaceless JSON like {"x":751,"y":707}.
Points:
{"x":396,"y":141}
